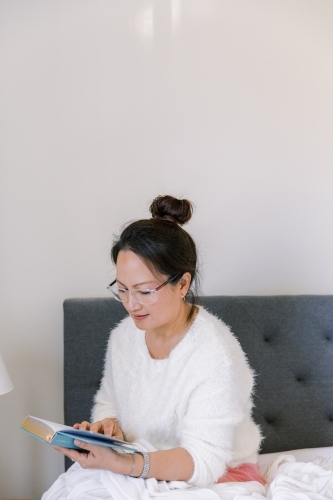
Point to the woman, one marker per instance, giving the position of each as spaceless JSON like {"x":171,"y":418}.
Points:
{"x":174,"y":374}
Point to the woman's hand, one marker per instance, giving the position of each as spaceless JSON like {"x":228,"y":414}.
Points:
{"x":98,"y":457}
{"x":107,"y":426}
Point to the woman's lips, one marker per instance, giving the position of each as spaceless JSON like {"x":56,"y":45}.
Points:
{"x":138,"y":318}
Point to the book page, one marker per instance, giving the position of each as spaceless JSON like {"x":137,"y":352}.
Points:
{"x":53,"y":425}
{"x":42,"y":428}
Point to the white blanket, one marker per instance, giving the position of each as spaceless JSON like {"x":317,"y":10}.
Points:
{"x":286,"y":478}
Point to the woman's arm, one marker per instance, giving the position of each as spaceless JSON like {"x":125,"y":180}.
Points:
{"x":175,"y":464}
{"x":168,"y":465}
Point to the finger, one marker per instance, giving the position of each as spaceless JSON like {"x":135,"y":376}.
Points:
{"x":83,"y":426}
{"x":109,"y":428}
{"x":119,"y":435}
{"x":97,"y":427}
{"x":113,"y":430}
{"x":83,"y":446}
{"x":70,"y":453}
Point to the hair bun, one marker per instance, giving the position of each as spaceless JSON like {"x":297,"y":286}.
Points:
{"x":170,"y":208}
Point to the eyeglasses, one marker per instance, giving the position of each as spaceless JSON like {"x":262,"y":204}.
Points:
{"x":145,"y":297}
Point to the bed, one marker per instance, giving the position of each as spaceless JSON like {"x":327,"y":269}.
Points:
{"x":289,"y":344}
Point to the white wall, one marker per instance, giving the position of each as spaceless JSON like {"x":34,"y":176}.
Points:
{"x":105,"y":104}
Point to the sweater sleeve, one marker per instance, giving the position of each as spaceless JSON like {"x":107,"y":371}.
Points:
{"x":104,"y":401}
{"x":219,"y":406}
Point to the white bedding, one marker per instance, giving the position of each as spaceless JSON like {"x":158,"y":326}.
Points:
{"x":295,"y":475}
{"x":304,"y":455}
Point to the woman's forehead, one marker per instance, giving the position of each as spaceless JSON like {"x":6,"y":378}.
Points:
{"x":131,"y":267}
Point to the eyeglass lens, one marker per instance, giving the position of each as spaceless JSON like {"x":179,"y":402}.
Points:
{"x":144,"y":297}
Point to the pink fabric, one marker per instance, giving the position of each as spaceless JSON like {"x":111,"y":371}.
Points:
{"x":242,"y":473}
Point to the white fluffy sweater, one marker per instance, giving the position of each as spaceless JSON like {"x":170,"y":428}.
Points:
{"x":198,"y":398}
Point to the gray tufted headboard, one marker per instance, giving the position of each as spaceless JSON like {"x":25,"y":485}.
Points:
{"x":288,"y":341}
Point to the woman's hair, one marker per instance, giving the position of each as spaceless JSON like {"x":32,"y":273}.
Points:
{"x":161,"y":242}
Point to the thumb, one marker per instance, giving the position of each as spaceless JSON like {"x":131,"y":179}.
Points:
{"x":81,"y":444}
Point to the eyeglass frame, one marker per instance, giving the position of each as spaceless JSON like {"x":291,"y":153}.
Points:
{"x":153,"y":291}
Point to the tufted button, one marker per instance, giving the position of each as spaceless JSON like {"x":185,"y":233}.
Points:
{"x":267,"y":339}
{"x":330,"y":418}
{"x":299,"y":378}
{"x":328,"y":337}
{"x":270,"y":420}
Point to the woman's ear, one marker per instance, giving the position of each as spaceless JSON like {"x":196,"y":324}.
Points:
{"x":185,"y":282}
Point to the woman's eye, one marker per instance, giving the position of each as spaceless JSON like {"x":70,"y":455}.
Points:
{"x":144,"y":292}
{"x":121,"y":290}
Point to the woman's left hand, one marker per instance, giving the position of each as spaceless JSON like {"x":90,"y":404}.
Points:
{"x":98,"y":457}
{"x":107,"y":426}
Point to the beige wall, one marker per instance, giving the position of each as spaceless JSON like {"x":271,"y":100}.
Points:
{"x":105,"y":104}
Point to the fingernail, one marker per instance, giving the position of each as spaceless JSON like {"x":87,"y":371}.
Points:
{"x":77,"y":443}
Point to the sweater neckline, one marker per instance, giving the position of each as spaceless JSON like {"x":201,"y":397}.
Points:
{"x":178,"y":347}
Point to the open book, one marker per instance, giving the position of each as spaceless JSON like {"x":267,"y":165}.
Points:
{"x":63,"y":435}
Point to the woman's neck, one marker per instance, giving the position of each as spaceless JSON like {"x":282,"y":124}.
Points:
{"x":160,"y":342}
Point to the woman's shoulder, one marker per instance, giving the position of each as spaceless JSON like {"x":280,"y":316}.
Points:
{"x":213,"y":326}
{"x":219,"y":350}
{"x":215,"y":336}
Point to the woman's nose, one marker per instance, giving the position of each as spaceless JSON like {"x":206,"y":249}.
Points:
{"x":133,"y":302}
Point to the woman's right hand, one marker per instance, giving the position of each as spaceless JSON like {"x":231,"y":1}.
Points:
{"x":107,"y":426}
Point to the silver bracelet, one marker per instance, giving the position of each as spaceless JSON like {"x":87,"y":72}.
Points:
{"x":133,"y":465}
{"x":146,"y":465}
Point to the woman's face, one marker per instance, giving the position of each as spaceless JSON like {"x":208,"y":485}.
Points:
{"x":168,"y":306}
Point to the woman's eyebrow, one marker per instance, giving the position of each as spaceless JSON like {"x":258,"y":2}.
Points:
{"x":137,"y":284}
